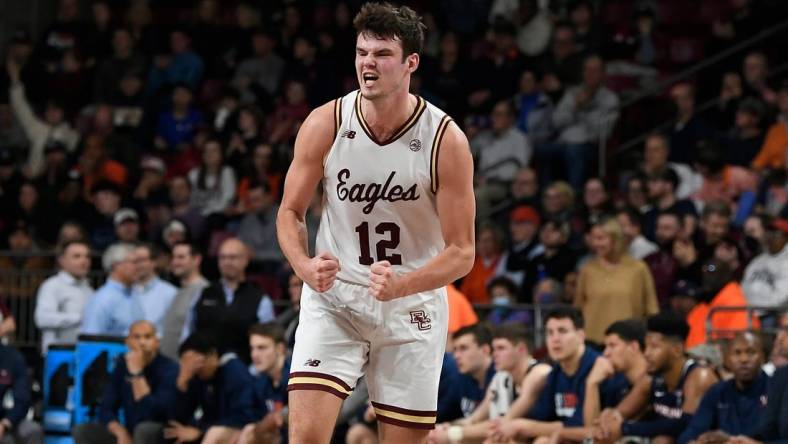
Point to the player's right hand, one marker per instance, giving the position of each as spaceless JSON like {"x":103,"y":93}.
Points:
{"x":321,"y":271}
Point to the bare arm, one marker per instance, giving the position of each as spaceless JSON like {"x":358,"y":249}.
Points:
{"x":636,"y":399}
{"x":592,"y":404}
{"x":695,"y":387}
{"x":531,"y":387}
{"x":306,"y":171}
{"x":456,"y":210}
{"x":482,"y":412}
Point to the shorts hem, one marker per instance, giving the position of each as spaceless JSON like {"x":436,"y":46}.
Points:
{"x":318,"y":381}
{"x":413,"y":419}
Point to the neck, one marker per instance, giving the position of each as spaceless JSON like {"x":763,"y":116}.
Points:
{"x":572,"y":363}
{"x":387,"y":113}
{"x":636,"y":370}
{"x":480,"y":375}
{"x":232,"y":283}
{"x":117,"y":279}
{"x":275,"y":373}
{"x":519,"y":371}
{"x":191,"y":278}
{"x":673,"y":374}
{"x":666,"y":201}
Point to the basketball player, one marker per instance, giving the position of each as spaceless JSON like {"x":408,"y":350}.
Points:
{"x":397,"y":227}
{"x":674,"y":390}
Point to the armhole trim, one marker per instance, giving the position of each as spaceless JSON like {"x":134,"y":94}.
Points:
{"x":436,"y":145}
{"x":337,"y":115}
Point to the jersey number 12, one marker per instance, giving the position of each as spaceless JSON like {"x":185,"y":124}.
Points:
{"x":380,"y":248}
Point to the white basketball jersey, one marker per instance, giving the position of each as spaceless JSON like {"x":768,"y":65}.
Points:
{"x":379,"y":196}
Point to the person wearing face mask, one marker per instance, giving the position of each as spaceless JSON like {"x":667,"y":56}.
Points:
{"x":502,"y":292}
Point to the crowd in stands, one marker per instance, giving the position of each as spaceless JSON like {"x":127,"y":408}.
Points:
{"x":147,"y":142}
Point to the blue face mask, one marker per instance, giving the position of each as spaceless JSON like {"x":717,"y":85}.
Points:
{"x":501,"y":301}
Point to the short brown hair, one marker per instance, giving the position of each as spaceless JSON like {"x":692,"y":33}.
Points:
{"x":268,"y":330}
{"x":384,"y":21}
{"x":515,"y":333}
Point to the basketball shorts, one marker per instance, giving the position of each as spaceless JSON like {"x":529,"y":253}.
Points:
{"x":345,"y":333}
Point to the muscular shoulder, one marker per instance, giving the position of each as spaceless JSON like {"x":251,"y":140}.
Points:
{"x":700,"y":378}
{"x":317,"y":132}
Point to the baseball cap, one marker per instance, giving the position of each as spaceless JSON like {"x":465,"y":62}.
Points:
{"x":779,"y":224}
{"x":524,"y":213}
{"x":125,"y":215}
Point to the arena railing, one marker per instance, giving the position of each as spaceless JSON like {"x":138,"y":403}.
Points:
{"x":768,"y":317}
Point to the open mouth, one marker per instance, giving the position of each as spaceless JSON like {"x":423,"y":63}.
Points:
{"x":369,"y":79}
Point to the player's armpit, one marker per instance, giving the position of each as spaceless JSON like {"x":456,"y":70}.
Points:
{"x":696,"y":385}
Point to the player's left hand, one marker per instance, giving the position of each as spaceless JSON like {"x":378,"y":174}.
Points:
{"x":383,"y":281}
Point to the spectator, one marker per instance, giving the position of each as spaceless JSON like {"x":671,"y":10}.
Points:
{"x":719,"y":289}
{"x":218,"y":384}
{"x":562,"y":64}
{"x":560,"y":402}
{"x":264,"y":168}
{"x":185,"y":266}
{"x":674,"y":390}
{"x":637,"y":245}
{"x":176,"y":126}
{"x":96,"y":166}
{"x":733,"y":407}
{"x":461,"y":312}
{"x":288,"y":319}
{"x":180,"y":190}
{"x":151,"y":186}
{"x":141,"y":387}
{"x":513,"y":362}
{"x":289,"y":114}
{"x":558,"y":201}
{"x":248,"y":134}
{"x":258,"y":77}
{"x":227,"y":308}
{"x":24,"y":256}
{"x":585,"y":114}
{"x":743,"y":142}
{"x":524,"y":189}
{"x":68,"y":32}
{"x":772,"y":154}
{"x":181,"y":65}
{"x":596,"y":201}
{"x":499,"y":153}
{"x":662,"y":188}
{"x":588,"y":36}
{"x":258,"y":226}
{"x":124,"y":59}
{"x":14,"y":427}
{"x":756,"y":74}
{"x":613,"y":285}
{"x":534,"y":29}
{"x":155,"y":294}
{"x":127,"y":225}
{"x":272,"y":366}
{"x":53,"y":126}
{"x":635,"y":194}
{"x":61,"y":299}
{"x":523,"y":242}
{"x":114,"y":306}
{"x":212,"y":183}
{"x":472,"y":354}
{"x":655,"y":160}
{"x":765,"y":280}
{"x":664,"y":266}
{"x":557,"y":259}
{"x":689,"y":128}
{"x":503,"y":294}
{"x":488,"y":256}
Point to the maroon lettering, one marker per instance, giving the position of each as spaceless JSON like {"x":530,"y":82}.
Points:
{"x":371,"y":193}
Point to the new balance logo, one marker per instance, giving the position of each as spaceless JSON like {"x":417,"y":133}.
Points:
{"x":421,"y":319}
{"x":312,"y":362}
{"x":349,"y":134}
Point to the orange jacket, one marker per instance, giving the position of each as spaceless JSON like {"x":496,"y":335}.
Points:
{"x":461,"y":313}
{"x":772,"y":154}
{"x":730,"y":295}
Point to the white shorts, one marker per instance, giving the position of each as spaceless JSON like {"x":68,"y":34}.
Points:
{"x":345,"y":333}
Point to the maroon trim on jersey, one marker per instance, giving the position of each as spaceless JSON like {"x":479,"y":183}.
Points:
{"x":436,"y":145}
{"x":395,"y":409}
{"x":421,"y":105}
{"x":321,"y":376}
{"x":406,"y":424}
{"x":318,"y":387}
{"x":337,"y":116}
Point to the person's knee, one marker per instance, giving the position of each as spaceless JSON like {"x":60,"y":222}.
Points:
{"x":220,"y":435}
{"x":148,"y":432}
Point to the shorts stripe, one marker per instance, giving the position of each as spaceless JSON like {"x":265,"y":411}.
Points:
{"x":419,"y":419}
{"x":318,"y":381}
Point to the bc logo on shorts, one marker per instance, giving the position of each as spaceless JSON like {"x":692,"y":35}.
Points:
{"x":421,"y":319}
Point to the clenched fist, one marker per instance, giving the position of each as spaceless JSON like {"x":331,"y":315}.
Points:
{"x":320,"y":272}
{"x":383,"y":281}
